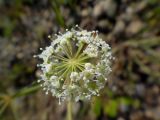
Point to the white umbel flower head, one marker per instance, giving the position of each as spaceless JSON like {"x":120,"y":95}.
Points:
{"x":76,"y":65}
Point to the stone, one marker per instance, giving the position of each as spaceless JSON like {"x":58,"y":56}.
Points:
{"x":119,"y":27}
{"x":134,"y":27}
{"x":105,"y":6}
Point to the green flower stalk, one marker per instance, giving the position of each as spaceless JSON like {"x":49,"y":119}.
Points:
{"x":76,"y":65}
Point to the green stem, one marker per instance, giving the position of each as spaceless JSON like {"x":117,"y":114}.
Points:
{"x":26,"y":91}
{"x":79,"y":50}
{"x":69,"y":110}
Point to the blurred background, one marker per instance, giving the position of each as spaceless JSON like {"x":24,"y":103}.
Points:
{"x":131,"y":27}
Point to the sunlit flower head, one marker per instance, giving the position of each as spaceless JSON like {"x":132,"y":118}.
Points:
{"x":76,"y":65}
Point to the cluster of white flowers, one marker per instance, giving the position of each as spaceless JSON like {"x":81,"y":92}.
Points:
{"x":76,"y":65}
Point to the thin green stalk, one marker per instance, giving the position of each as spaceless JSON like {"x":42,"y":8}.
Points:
{"x":26,"y":91}
{"x":66,"y":51}
{"x":79,"y":50}
{"x":2,"y":109}
{"x":60,"y":57}
{"x":70,"y":47}
{"x":69,"y":110}
{"x":14,"y":111}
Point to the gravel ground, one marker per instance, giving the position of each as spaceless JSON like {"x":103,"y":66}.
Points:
{"x":131,"y":27}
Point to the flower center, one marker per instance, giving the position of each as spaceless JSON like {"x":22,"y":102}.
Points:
{"x":72,"y":62}
{"x":75,"y":64}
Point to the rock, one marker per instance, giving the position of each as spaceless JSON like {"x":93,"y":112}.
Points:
{"x":86,"y":12}
{"x":140,"y":89}
{"x":119,"y":27}
{"x":120,"y":118}
{"x":105,"y":6}
{"x":128,"y":15}
{"x":123,"y":108}
{"x":134,"y":27}
{"x":140,"y":6}
{"x":153,"y":113}
{"x":138,"y":115}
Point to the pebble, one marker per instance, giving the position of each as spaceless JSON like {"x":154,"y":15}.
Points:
{"x":105,"y":6}
{"x":119,"y":27}
{"x":134,"y":27}
{"x":140,"y":89}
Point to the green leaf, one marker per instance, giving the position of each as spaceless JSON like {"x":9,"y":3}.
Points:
{"x":126,"y":101}
{"x":111,"y":108}
{"x":136,"y":103}
{"x":109,"y":92}
{"x":26,"y":91}
{"x":97,"y":107}
{"x":59,"y":18}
